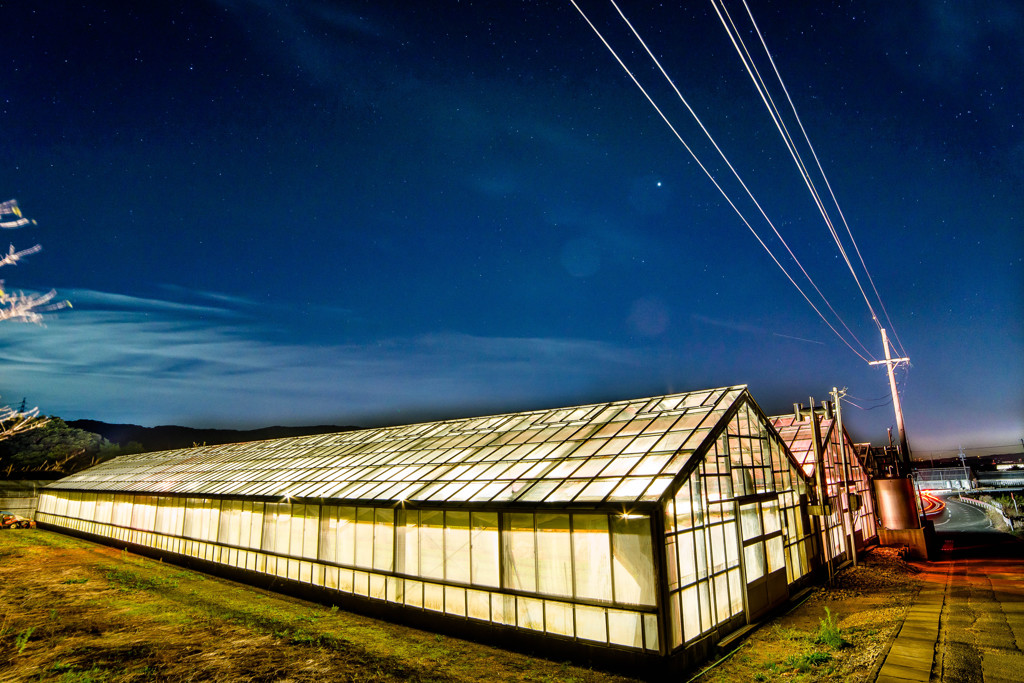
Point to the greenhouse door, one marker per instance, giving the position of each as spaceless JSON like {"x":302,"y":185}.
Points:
{"x":764,"y":560}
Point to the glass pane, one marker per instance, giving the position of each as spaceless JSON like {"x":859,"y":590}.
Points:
{"x":776,"y":555}
{"x":558,"y":618}
{"x":383,"y":539}
{"x":716,"y":542}
{"x":632,"y":561}
{"x":530,"y":613}
{"x":328,"y":533}
{"x":750,"y":521}
{"x":753,"y":556}
{"x":456,"y":546}
{"x":478,"y":605}
{"x":455,"y":600}
{"x":722,"y":598}
{"x":484,"y":543}
{"x":431,"y":545}
{"x":735,"y":591}
{"x":554,"y":554}
{"x":310,"y":532}
{"x":704,"y":595}
{"x":519,"y":553}
{"x":407,"y":546}
{"x":592,"y":556}
{"x":691,"y":612}
{"x":433,"y":597}
{"x":671,"y":560}
{"x":624,"y":628}
{"x":590,"y":623}
{"x":770,"y":516}
{"x":687,"y":558}
{"x":650,"y":632}
{"x":364,"y":537}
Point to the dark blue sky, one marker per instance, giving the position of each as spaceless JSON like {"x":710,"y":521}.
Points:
{"x":378,"y":212}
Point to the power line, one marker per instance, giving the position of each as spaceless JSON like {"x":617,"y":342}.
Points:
{"x":714,"y":181}
{"x":751,"y":67}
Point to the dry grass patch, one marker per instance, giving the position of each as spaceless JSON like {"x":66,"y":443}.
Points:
{"x":76,"y":611}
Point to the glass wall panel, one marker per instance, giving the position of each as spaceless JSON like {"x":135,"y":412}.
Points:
{"x":558,"y":618}
{"x":407,"y":546}
{"x":754,"y":560}
{"x":484,"y":544}
{"x":519,"y":552}
{"x":632,"y":560}
{"x":190,"y":524}
{"x":230,"y":522}
{"x":256,"y":527}
{"x":457,"y":546}
{"x":554,"y":552}
{"x":329,"y":533}
{"x":431,"y":544}
{"x":384,"y":539}
{"x":591,"y":623}
{"x":455,"y":600}
{"x":592,"y":557}
{"x":530,"y":613}
{"x":311,"y":532}
{"x":625,"y":628}
{"x":365,"y":520}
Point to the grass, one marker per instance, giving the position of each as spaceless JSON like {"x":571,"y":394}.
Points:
{"x":128,"y":580}
{"x":102,"y":614}
{"x":807,"y":661}
{"x":21,"y":641}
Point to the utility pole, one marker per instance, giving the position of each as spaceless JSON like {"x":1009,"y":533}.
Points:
{"x":963,"y":465}
{"x":889,"y":364}
{"x":837,"y":397}
{"x":822,"y":482}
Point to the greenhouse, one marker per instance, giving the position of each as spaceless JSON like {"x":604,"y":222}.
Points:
{"x":646,"y":528}
{"x":842,"y":479}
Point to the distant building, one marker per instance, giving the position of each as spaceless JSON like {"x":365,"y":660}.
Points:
{"x":642,"y":530}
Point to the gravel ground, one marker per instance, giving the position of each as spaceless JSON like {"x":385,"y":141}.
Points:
{"x":866,"y":604}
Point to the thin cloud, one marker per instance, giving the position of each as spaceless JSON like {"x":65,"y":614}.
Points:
{"x":159,"y":364}
{"x":748,"y":328}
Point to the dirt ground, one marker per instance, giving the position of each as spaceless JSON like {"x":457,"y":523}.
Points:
{"x":866,"y":604}
{"x":76,"y":611}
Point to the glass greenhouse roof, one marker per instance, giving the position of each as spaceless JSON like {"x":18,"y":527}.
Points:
{"x":619,"y":452}
{"x":796,"y":434}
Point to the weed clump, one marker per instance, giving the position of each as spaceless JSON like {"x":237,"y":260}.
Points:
{"x":829,"y":633}
{"x":127,"y":580}
{"x":807,"y":661}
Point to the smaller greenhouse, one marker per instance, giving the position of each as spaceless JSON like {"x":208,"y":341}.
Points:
{"x":842,"y":478}
{"x":646,"y":528}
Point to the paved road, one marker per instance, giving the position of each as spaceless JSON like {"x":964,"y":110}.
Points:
{"x":962,"y":517}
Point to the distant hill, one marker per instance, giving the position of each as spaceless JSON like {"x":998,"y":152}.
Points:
{"x":168,"y":437}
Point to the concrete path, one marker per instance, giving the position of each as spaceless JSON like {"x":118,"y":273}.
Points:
{"x":967,"y":624}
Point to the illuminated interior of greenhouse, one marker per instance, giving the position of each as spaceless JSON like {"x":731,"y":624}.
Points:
{"x":647,"y":528}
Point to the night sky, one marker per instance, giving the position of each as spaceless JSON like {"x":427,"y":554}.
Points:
{"x":382,"y":212}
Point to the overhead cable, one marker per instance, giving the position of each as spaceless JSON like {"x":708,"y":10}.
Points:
{"x":713,"y":180}
{"x":824,"y":177}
